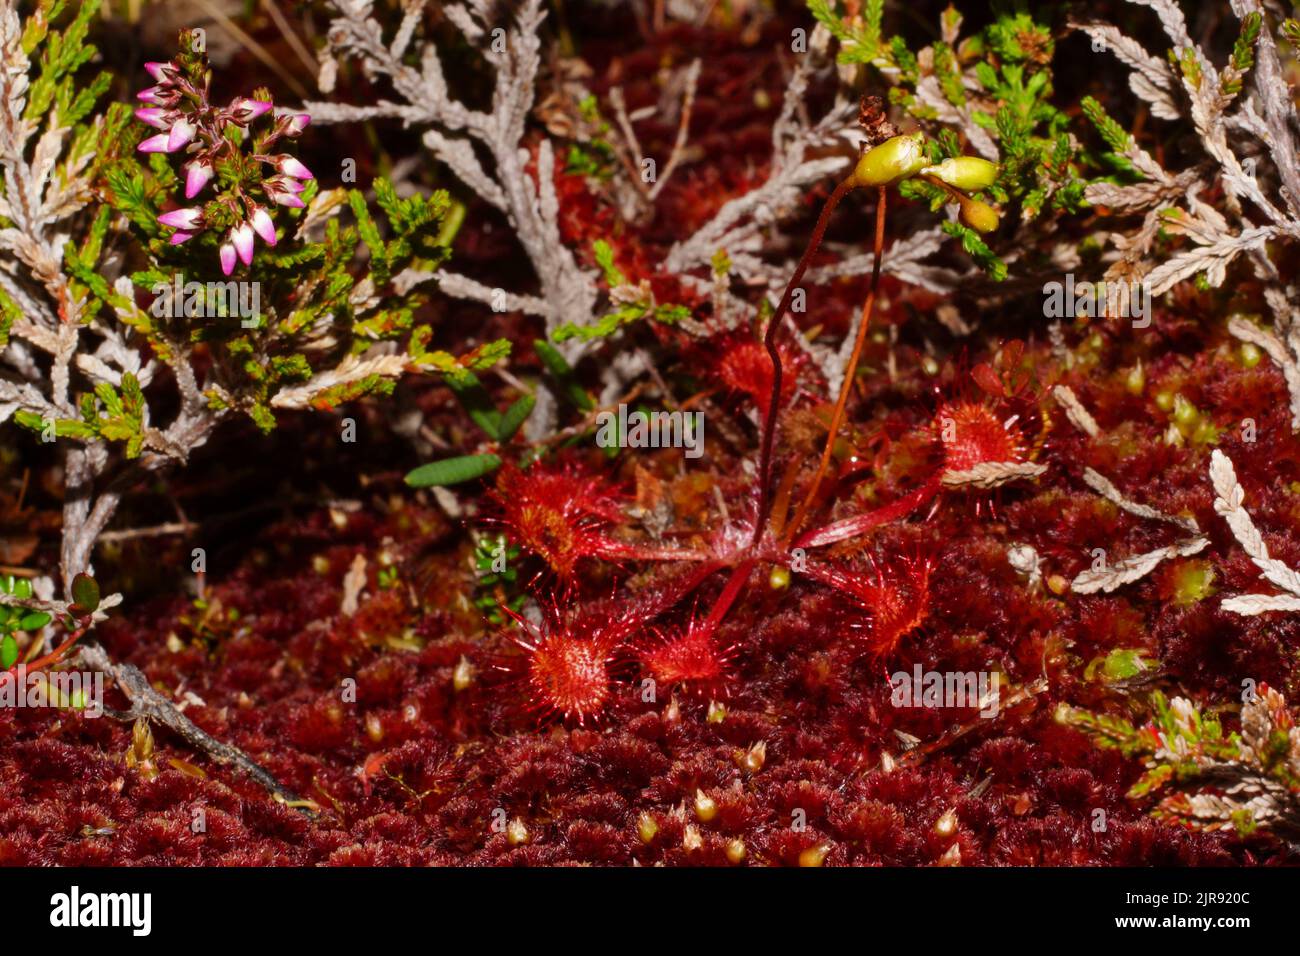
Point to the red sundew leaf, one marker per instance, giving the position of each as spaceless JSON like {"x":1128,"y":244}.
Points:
{"x":693,"y":658}
{"x":987,"y":379}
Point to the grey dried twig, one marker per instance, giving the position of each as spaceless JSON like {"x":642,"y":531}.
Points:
{"x":1229,"y":502}
{"x":1249,"y":153}
{"x":454,"y":133}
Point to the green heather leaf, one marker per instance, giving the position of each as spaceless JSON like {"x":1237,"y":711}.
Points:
{"x":605,"y":259}
{"x":1151,"y":781}
{"x":975,"y":247}
{"x":515,"y":416}
{"x":473,"y":397}
{"x":453,"y":471}
{"x":570,"y":386}
{"x":370,"y":236}
{"x":8,"y":652}
{"x":85,"y":592}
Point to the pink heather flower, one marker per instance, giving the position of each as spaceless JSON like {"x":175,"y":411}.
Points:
{"x":286,"y":164}
{"x":283,"y":184}
{"x":150,"y":95}
{"x":297,"y":124}
{"x":245,"y":110}
{"x":284,"y":191}
{"x":197,"y":175}
{"x":263,"y":225}
{"x":179,"y":237}
{"x":154,"y":116}
{"x":181,"y":133}
{"x":227,"y":258}
{"x":283,"y":197}
{"x":187,"y":220}
{"x":242,"y":237}
{"x":161,"y":72}
{"x":155,"y":144}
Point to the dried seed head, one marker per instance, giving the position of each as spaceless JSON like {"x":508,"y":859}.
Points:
{"x":874,"y":120}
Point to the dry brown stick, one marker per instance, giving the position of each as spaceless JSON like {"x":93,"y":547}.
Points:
{"x":154,"y":531}
{"x":692,"y":79}
{"x":154,"y":707}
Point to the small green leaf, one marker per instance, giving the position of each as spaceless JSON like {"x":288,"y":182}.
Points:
{"x":8,"y":652}
{"x":473,"y":397}
{"x":605,"y":259}
{"x":34,"y":621}
{"x":453,"y":471}
{"x":85,"y":592}
{"x":515,"y":416}
{"x":555,"y":364}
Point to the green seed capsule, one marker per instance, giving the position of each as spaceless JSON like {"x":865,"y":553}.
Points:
{"x":896,"y":158}
{"x":964,"y":172}
{"x":979,"y":216}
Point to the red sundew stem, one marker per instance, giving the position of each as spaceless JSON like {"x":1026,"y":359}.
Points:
{"x":861,"y":524}
{"x":675,"y":593}
{"x":769,"y":341}
{"x":850,"y":370}
{"x":729,"y":594}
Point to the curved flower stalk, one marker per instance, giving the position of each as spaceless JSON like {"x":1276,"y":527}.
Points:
{"x":896,"y":159}
{"x":235,"y":145}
